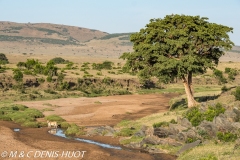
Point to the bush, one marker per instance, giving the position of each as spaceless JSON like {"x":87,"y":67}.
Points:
{"x":64,"y":125}
{"x":3,"y":59}
{"x":126,"y":132}
{"x":54,"y":118}
{"x":195,"y":116}
{"x":224,"y":89}
{"x":209,"y":157}
{"x":58,"y":60}
{"x":74,"y":130}
{"x":237,"y":94}
{"x":105,"y":65}
{"x":227,"y":70}
{"x":161,"y":124}
{"x":219,"y":75}
{"x":30,"y":124}
{"x":226,"y":137}
{"x":50,"y":91}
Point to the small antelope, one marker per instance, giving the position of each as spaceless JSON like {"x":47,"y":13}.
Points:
{"x":52,"y":124}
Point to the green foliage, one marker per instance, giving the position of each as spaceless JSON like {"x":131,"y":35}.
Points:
{"x":237,"y":93}
{"x":74,"y":130}
{"x":54,"y":118}
{"x":226,"y":136}
{"x":195,"y":116}
{"x":105,"y":65}
{"x":64,"y":125}
{"x":224,"y":88}
{"x":41,"y":80}
{"x":126,"y":132}
{"x":50,"y":91}
{"x":21,"y":114}
{"x":132,"y":139}
{"x":190,"y":140}
{"x":49,"y":78}
{"x":175,"y":46}
{"x":219,"y":75}
{"x":31,"y":124}
{"x":3,"y":59}
{"x":69,"y":65}
{"x":161,"y":124}
{"x":209,"y":157}
{"x":59,"y":60}
{"x":17,"y":75}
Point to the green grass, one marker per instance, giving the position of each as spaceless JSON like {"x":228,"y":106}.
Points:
{"x":74,"y":130}
{"x":20,"y":114}
{"x":221,"y":151}
{"x":132,"y":139}
{"x":54,"y":118}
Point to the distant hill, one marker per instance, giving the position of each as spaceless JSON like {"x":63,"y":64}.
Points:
{"x":33,"y":39}
{"x":46,"y":33}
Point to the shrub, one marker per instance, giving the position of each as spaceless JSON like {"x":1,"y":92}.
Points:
{"x":74,"y":130}
{"x":226,"y":137}
{"x":64,"y":125}
{"x":3,"y":59}
{"x":105,"y":65}
{"x":54,"y":118}
{"x":50,"y":91}
{"x":209,"y":157}
{"x":219,"y":75}
{"x":195,"y":116}
{"x":161,"y":124}
{"x":224,"y":89}
{"x":58,"y":60}
{"x":237,"y":94}
{"x":126,"y":132}
{"x":30,"y":124}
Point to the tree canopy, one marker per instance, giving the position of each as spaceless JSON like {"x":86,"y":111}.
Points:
{"x":177,"y":46}
{"x":3,"y":59}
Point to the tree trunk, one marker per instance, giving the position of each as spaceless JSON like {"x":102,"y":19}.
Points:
{"x":189,"y":90}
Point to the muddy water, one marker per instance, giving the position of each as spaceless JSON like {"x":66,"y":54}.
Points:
{"x":157,"y":156}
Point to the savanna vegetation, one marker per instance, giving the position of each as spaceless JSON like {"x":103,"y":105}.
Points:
{"x":167,"y":53}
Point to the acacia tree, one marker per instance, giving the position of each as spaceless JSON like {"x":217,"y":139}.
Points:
{"x":177,"y":46}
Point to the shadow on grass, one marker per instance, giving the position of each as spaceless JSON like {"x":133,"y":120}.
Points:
{"x":182,"y":103}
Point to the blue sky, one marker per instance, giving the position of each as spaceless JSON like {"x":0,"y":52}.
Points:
{"x":117,"y":16}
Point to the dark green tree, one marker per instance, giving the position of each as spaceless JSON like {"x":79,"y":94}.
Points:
{"x":177,"y":46}
{"x":3,"y":59}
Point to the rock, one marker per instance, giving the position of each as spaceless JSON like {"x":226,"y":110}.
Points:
{"x":236,"y":125}
{"x":151,"y":140}
{"x":208,"y":127}
{"x":231,"y":115}
{"x":161,"y":132}
{"x":101,"y":131}
{"x":237,"y":145}
{"x":148,"y":131}
{"x":222,"y":123}
{"x":154,"y":150}
{"x":140,"y":133}
{"x":182,"y":136}
{"x":188,"y":146}
{"x":176,"y":128}
{"x":184,"y":122}
{"x":191,"y":133}
{"x":237,"y":111}
{"x":136,"y":145}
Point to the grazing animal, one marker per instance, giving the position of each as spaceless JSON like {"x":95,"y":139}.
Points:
{"x":52,"y":124}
